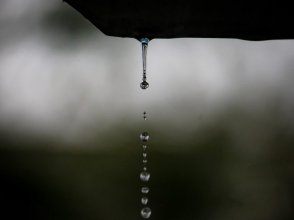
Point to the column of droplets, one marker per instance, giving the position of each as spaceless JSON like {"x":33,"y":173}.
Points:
{"x":145,"y":175}
{"x":144,"y":136}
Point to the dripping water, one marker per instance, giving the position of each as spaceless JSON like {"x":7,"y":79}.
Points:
{"x":144,"y":137}
{"x":144,"y":84}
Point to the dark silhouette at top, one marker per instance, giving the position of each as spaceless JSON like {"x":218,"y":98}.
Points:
{"x":249,"y":20}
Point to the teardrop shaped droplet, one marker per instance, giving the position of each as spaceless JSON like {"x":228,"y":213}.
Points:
{"x":144,"y":85}
{"x":146,"y":212}
{"x":144,"y":41}
{"x":144,"y":176}
{"x":144,"y":200}
{"x":144,"y":136}
{"x":145,"y":190}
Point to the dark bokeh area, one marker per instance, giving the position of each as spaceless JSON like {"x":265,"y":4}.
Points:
{"x":220,"y":118}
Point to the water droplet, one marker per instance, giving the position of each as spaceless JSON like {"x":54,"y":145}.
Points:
{"x":144,"y":85}
{"x":144,"y":147}
{"x":144,"y":136}
{"x":145,"y":190}
{"x":144,"y":176}
{"x":145,"y":161}
{"x":144,"y":168}
{"x":146,"y":212}
{"x":144,"y":114}
{"x":144,"y":200}
{"x":144,"y":154}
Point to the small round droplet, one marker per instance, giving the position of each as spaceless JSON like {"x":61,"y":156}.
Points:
{"x":145,"y":168}
{"x":146,"y":212}
{"x":145,"y":190}
{"x":145,"y":161}
{"x":144,"y":154}
{"x":144,"y":136}
{"x":145,"y":176}
{"x":144,"y":200}
{"x":144,"y":85}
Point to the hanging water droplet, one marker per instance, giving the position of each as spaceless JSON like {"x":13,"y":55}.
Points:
{"x":144,"y":136}
{"x":144,"y":200}
{"x":145,"y":190}
{"x":144,"y":85}
{"x":144,"y":41}
{"x":144,"y":154}
{"x":144,"y":176}
{"x":145,"y":161}
{"x":146,"y":212}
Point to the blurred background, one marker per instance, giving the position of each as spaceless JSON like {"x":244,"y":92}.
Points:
{"x":220,"y":118}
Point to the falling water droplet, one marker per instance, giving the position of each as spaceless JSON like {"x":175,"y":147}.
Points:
{"x":144,"y":115}
{"x":144,"y":200}
{"x":145,"y":168}
{"x":144,"y":154}
{"x":144,"y":136}
{"x":145,"y":161}
{"x":146,"y":212}
{"x":145,"y":190}
{"x":145,"y":176}
{"x":144,"y":147}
